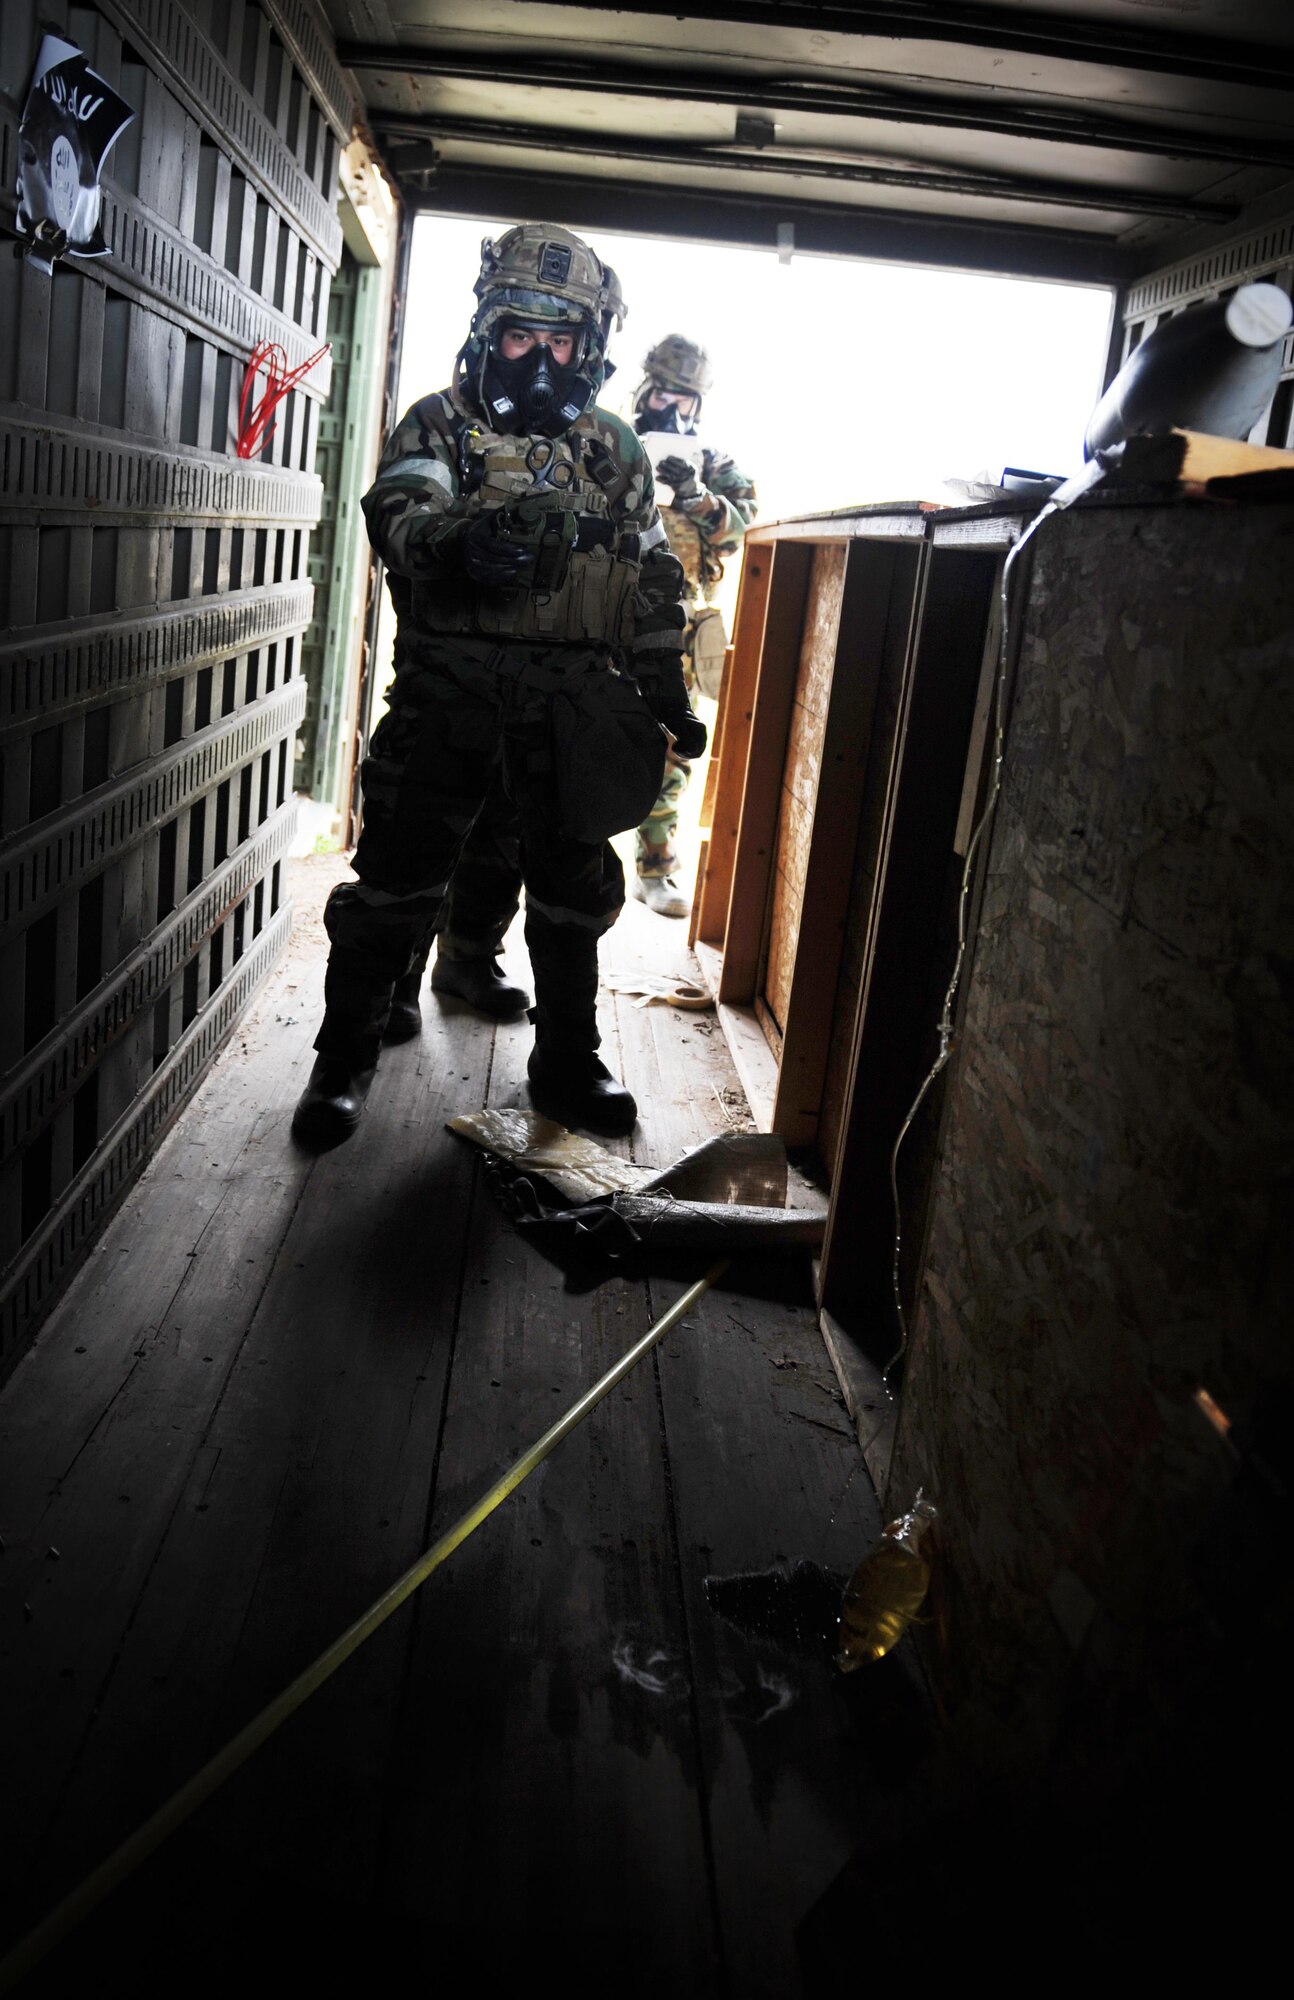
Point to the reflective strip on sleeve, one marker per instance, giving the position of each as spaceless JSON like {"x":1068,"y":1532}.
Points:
{"x":424,"y":466}
{"x":653,"y":537}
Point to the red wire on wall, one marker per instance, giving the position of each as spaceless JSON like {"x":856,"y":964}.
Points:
{"x":255,"y":413}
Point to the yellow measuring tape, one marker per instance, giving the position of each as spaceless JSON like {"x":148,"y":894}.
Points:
{"x":147,"y":1838}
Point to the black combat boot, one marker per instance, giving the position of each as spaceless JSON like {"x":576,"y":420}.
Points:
{"x":579,"y":1089}
{"x":480,"y":981}
{"x":405,"y":1018}
{"x":567,"y":1081}
{"x":332,"y":1102}
{"x":570,"y":1083}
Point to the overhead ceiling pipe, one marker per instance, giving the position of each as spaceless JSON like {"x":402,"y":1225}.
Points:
{"x":833,"y":95}
{"x":808,"y":166}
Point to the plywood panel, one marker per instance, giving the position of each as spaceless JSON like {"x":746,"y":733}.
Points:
{"x":1110,"y":1229}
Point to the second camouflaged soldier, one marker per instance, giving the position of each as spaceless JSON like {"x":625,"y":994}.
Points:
{"x":712,"y":505}
{"x":538,"y":647}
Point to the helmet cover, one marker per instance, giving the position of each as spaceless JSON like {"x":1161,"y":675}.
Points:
{"x":541,"y":275}
{"x":679,"y":364}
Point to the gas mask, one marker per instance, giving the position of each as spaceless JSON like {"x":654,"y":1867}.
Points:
{"x":534,"y":394}
{"x":670,"y":419}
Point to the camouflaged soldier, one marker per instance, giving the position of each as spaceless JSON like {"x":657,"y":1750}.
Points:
{"x":712,"y":505}
{"x":538,"y":650}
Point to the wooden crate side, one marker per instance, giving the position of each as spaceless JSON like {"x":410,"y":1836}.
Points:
{"x":771,"y":700}
{"x":732,"y":741}
{"x":866,"y":614}
{"x":800,"y":777}
{"x":869,"y":831}
{"x":911,"y":939}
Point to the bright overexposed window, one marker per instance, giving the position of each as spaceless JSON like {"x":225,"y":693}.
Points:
{"x":835,"y":381}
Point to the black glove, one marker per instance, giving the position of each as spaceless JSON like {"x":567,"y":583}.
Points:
{"x":490,"y":556}
{"x":689,"y":732}
{"x":680,"y":474}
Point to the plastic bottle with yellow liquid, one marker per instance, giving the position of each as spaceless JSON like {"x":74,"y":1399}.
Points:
{"x":886,"y":1591}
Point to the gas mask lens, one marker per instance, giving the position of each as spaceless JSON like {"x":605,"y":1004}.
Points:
{"x":519,"y":340}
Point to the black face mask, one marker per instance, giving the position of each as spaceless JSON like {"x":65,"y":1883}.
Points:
{"x":669,"y":419}
{"x":533,"y":394}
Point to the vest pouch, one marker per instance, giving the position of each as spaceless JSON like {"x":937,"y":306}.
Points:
{"x":608,"y":756}
{"x":708,"y":649}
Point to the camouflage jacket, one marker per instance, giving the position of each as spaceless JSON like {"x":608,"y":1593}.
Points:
{"x":620,"y":586}
{"x":713,"y":524}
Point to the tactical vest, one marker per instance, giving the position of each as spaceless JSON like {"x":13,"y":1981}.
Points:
{"x":569,"y":494}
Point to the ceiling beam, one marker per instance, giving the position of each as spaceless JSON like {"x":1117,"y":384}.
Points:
{"x":751,"y":221}
{"x":1014,"y":31}
{"x":762,"y":162}
{"x":840,"y":98}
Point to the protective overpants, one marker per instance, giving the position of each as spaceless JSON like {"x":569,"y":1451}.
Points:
{"x":486,"y":886}
{"x":482,"y":898}
{"x":465,"y":718}
{"x":485,"y":890}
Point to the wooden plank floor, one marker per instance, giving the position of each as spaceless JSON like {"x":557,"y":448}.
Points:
{"x":276,"y":1379}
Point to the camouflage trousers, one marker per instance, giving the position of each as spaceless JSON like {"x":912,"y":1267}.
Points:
{"x":468,"y":731}
{"x":655,"y":843}
{"x":655,"y":849}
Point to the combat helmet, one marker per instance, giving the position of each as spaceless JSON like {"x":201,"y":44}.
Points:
{"x":539,"y":275}
{"x":681,"y":366}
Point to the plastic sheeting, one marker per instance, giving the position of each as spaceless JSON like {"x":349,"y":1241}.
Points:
{"x":621,"y":1223}
{"x":729,"y":1193}
{"x":578,"y":1168}
{"x":735,"y":1167}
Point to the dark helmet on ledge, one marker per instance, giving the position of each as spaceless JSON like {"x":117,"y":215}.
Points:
{"x":539,"y":277}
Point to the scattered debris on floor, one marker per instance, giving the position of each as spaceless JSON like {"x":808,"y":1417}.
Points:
{"x":728,"y":1193}
{"x":669,"y":988}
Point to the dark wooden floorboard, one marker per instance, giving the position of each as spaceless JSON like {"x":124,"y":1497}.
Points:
{"x":105,"y":1424}
{"x":298,"y":1369}
{"x":555,"y":1639}
{"x":765,"y":1478}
